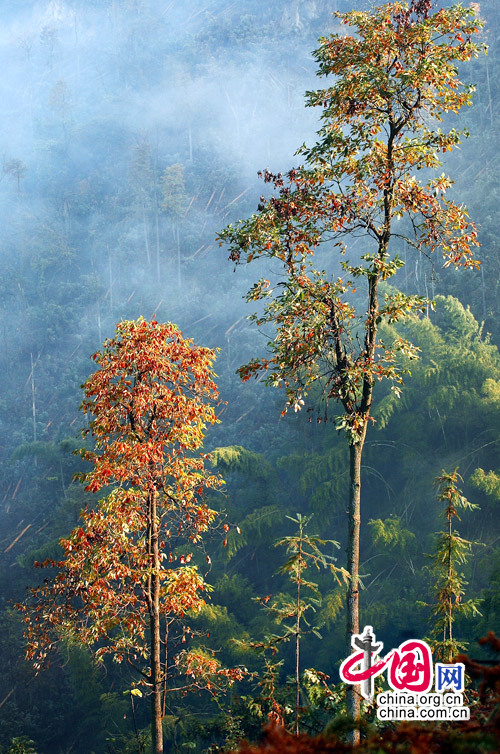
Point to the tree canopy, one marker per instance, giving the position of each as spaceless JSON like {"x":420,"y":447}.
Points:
{"x":396,"y":76}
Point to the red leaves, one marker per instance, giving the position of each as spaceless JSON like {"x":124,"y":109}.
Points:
{"x":148,"y":400}
{"x":152,"y":392}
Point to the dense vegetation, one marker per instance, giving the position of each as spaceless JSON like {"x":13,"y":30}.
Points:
{"x":132,"y":133}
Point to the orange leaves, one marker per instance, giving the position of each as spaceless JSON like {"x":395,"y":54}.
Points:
{"x":180,"y":591}
{"x":154,"y":390}
{"x":206,"y":671}
{"x":148,"y":401}
{"x":400,"y":61}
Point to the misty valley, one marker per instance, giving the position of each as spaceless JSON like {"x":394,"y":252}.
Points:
{"x":250,"y":407}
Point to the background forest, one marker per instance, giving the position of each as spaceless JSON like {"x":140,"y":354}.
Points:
{"x":131,"y":133}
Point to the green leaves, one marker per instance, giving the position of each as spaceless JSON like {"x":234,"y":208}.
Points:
{"x":305,"y":550}
{"x":449,"y":493}
{"x":390,"y":534}
{"x":394,"y":76}
{"x":451,"y":551}
{"x":291,"y":611}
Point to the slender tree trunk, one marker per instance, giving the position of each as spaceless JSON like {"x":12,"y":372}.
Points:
{"x":33,"y":400}
{"x":110,"y":269}
{"x":156,"y":211}
{"x":157,"y":225}
{"x":450,"y":604}
{"x":297,"y":652}
{"x":146,"y":236}
{"x":354,"y":510}
{"x":33,"y":403}
{"x":99,"y":321}
{"x":483,"y":291}
{"x":354,"y":522}
{"x":178,"y":242}
{"x":490,"y":103}
{"x":156,"y":685}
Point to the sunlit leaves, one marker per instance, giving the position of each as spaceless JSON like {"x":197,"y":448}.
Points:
{"x":204,"y":670}
{"x":394,"y":75}
{"x":148,"y":402}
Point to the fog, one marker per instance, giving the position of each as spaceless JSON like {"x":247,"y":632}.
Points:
{"x":99,"y":98}
{"x":132,"y":132}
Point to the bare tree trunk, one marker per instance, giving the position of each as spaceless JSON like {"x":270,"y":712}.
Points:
{"x":483,"y":291}
{"x":33,"y":403}
{"x":110,"y":269}
{"x":490,"y":104}
{"x":99,"y":321}
{"x":157,"y":224}
{"x":354,"y":523}
{"x":177,"y":237}
{"x":156,"y":680}
{"x":353,"y":698}
{"x":297,"y":652}
{"x":33,"y":400}
{"x":156,"y":210}
{"x":146,"y":237}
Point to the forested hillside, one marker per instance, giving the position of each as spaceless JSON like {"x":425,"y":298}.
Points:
{"x":132,"y":134}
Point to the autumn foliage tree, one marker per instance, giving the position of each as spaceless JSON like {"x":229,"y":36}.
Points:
{"x":126,"y":579}
{"x":373,"y":165}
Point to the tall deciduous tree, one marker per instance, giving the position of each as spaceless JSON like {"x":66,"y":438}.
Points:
{"x":396,"y":76}
{"x":126,"y":578}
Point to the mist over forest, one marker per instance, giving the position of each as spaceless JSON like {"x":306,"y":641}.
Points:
{"x":131,"y":134}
